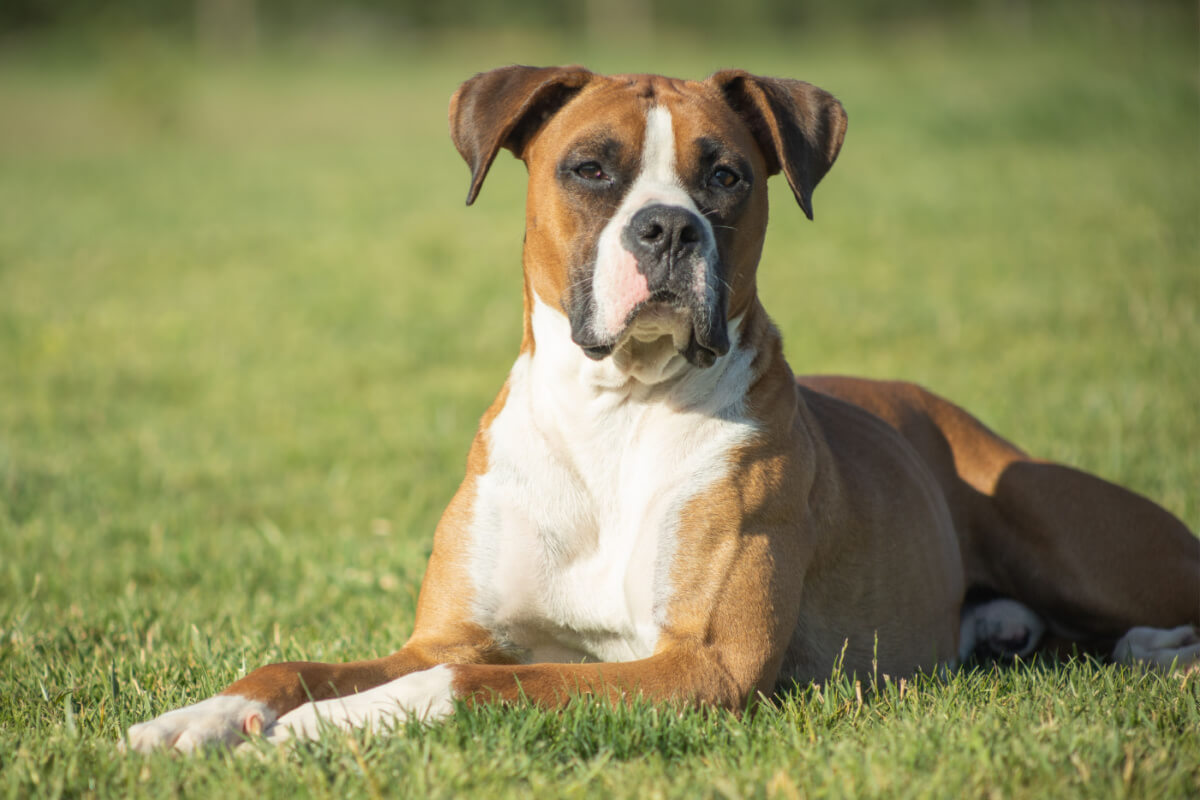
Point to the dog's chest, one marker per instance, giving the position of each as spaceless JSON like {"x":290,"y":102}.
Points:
{"x":576,"y":518}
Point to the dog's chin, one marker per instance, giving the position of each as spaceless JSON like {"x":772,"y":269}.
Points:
{"x":656,"y":326}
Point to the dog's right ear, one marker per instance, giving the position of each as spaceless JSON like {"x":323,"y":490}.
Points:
{"x":504,"y":108}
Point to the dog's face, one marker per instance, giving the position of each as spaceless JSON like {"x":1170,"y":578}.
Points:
{"x":647,"y":200}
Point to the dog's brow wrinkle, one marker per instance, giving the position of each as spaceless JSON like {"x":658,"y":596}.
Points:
{"x":709,"y":147}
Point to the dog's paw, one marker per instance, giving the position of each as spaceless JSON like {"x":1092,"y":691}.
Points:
{"x":223,"y":720}
{"x":999,"y":629}
{"x":1160,"y":648}
{"x":425,"y":695}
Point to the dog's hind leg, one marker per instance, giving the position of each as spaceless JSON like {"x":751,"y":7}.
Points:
{"x":998,"y":629}
{"x":1088,"y":555}
{"x":1091,"y":558}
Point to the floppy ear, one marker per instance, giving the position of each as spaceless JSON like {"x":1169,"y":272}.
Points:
{"x":798,"y":126}
{"x":504,"y":108}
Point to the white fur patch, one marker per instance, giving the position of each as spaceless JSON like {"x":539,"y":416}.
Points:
{"x":613,"y":287}
{"x":219,"y":720}
{"x":425,"y":695}
{"x":1000,"y":628}
{"x":1159,"y":647}
{"x":588,"y":471}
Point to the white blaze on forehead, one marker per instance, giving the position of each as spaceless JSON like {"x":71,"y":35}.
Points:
{"x":617,"y":286}
{"x":658,"y":152}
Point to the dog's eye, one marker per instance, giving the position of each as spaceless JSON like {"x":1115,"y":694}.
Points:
{"x":591,"y":171}
{"x":725,"y":178}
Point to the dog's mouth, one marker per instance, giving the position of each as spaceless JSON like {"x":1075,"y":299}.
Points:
{"x":697,"y":331}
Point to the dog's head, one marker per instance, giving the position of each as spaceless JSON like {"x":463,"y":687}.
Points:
{"x":647,"y":200}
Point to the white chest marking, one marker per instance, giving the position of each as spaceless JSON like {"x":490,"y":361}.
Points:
{"x":575,"y":522}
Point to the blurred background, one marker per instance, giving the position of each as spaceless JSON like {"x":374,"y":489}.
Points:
{"x":244,"y":23}
{"x":247,"y":321}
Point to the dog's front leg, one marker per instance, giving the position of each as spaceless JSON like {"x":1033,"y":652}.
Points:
{"x":723,"y":641}
{"x":689,"y":674}
{"x":253,"y":704}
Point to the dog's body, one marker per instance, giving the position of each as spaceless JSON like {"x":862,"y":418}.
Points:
{"x":654,"y":504}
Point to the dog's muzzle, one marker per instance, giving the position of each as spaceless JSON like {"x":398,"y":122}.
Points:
{"x":674,"y":251}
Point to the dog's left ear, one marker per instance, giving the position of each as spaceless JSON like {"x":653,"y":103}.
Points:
{"x":798,"y":126}
{"x":505,"y":108}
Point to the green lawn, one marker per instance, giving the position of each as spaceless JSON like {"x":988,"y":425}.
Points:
{"x":247,"y":328}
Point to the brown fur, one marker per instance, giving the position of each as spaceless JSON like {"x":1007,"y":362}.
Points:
{"x":854,"y":523}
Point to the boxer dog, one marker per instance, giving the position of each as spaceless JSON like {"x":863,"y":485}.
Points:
{"x":655,"y":505}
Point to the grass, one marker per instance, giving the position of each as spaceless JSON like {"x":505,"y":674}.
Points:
{"x":247,"y":329}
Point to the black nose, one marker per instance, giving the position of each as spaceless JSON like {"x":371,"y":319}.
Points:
{"x":659,"y":236}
